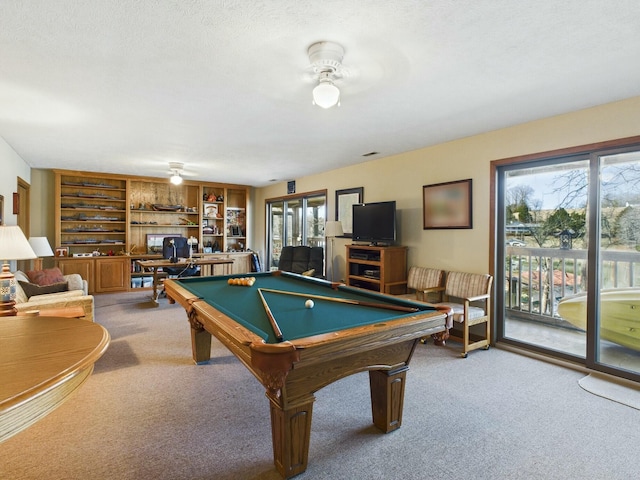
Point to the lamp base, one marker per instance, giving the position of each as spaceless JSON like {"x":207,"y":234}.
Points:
{"x":8,"y":309}
{"x":7,"y":292}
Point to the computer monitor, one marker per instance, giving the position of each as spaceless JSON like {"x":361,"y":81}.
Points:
{"x":175,"y":247}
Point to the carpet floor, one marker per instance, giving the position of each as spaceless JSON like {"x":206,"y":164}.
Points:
{"x":148,"y":412}
{"x":615,"y":391}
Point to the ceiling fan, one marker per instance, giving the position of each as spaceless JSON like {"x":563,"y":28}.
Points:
{"x":326,"y":62}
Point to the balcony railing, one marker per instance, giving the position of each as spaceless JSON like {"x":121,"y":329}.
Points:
{"x":537,"y":278}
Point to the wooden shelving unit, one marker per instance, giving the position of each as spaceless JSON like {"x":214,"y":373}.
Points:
{"x":236,"y":219}
{"x":213,"y":218}
{"x":115,"y":220}
{"x":91,"y":214}
{"x":382,"y":269}
{"x":159,"y":208}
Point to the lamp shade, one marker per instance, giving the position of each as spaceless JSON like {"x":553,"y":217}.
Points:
{"x":41,"y":246}
{"x":14,"y":245}
{"x":333,"y":229}
{"x":326,"y":94}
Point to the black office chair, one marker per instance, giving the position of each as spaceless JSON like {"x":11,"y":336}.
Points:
{"x":174,"y":248}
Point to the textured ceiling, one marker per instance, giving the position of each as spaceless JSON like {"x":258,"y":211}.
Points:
{"x":128,"y":86}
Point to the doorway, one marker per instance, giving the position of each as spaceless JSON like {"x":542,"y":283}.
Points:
{"x":23,"y":220}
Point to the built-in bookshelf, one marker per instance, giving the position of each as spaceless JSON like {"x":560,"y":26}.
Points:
{"x":104,"y":215}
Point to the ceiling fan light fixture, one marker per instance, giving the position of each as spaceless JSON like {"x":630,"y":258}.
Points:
{"x":326,"y":60}
{"x":326,"y":94}
{"x":176,"y":178}
{"x":176,"y":172}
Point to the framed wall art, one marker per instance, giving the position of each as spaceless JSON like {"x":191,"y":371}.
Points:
{"x":1,"y":210}
{"x":345,"y":199}
{"x":447,"y":205}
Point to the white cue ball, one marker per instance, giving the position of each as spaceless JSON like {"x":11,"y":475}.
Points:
{"x":308,"y":304}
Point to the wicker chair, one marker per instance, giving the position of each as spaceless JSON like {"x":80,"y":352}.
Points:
{"x":469,"y":297}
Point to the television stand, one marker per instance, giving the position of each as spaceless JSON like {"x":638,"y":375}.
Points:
{"x":379,"y":268}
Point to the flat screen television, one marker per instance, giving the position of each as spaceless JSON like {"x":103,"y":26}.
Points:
{"x":375,"y":223}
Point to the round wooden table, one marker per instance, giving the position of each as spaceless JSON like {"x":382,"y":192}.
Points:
{"x":43,"y":360}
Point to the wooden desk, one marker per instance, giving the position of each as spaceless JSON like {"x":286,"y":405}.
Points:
{"x":43,"y":360}
{"x":206,"y":268}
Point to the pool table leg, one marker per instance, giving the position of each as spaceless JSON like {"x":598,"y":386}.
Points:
{"x":200,"y":345}
{"x":387,"y":397}
{"x":291,"y":431}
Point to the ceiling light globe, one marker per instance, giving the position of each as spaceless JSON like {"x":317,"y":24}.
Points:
{"x":176,"y":179}
{"x":326,"y":95}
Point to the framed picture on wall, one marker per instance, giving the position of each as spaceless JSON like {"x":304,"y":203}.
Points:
{"x":345,"y":199}
{"x":447,"y":205}
{"x":1,"y":210}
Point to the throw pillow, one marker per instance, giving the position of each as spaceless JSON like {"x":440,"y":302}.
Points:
{"x":48,"y":276}
{"x":31,"y":289}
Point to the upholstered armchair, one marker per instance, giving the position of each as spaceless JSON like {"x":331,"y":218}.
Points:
{"x":469,"y":297}
{"x":74,"y":296}
{"x":303,"y":260}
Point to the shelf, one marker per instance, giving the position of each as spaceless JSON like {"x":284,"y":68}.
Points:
{"x":163,"y":212}
{"x":92,"y":208}
{"x":381,"y":269}
{"x":365,"y":279}
{"x":90,"y":244}
{"x":181,"y":225}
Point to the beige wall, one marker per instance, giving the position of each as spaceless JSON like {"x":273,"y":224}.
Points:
{"x":401,"y":178}
{"x":12,"y":167}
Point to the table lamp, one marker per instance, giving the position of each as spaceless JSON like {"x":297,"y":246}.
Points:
{"x":13,"y":246}
{"x":41,"y":248}
{"x":332,"y":230}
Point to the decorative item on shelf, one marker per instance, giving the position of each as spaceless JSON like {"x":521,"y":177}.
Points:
{"x":333,"y":229}
{"x":166,"y":208}
{"x":211,"y":211}
{"x":191,"y":241}
{"x":41,"y":248}
{"x":13,"y":246}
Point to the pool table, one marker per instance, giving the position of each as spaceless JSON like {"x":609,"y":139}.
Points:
{"x":319,"y":345}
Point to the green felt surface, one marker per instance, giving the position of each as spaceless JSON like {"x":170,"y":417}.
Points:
{"x":243,"y":304}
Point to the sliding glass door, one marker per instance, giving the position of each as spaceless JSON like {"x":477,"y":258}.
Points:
{"x":295,"y":220}
{"x":568,"y":258}
{"x":617,"y":339}
{"x":544,"y":244}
